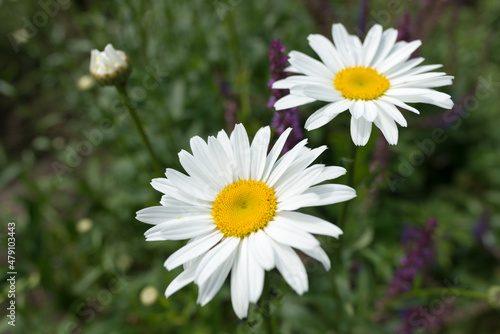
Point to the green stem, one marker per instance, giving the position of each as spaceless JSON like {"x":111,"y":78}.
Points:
{"x":441,"y":291}
{"x":122,"y":91}
{"x":350,"y":166}
{"x":266,"y":297}
{"x":340,"y":313}
{"x":351,"y":163}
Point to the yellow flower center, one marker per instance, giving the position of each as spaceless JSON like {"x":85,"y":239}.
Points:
{"x":243,"y":207}
{"x":361,"y":83}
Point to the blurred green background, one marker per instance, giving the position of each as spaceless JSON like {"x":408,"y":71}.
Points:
{"x":73,"y":171}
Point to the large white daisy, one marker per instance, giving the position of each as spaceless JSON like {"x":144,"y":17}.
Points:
{"x":236,"y":207}
{"x":370,"y":79}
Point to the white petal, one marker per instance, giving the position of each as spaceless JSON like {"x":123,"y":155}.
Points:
{"x":329,"y":173}
{"x":291,"y":69}
{"x":182,"y":228}
{"x":404,"y":79}
{"x":436,"y":82}
{"x":401,"y":69}
{"x":298,"y":175}
{"x":322,"y":93}
{"x":331,"y":193}
{"x":309,"y":66}
{"x":326,"y":51}
{"x":275,"y":152}
{"x":260,"y":247}
{"x":387,"y":42}
{"x":214,"y":258}
{"x":299,"y":183}
{"x":397,"y":57}
{"x":239,"y":282}
{"x":189,"y":185}
{"x":309,"y":223}
{"x":212,"y":285}
{"x":193,"y":250}
{"x":198,"y":169}
{"x":343,"y":43}
{"x":398,"y":103}
{"x":160,"y":214}
{"x":241,"y":145}
{"x":299,"y":80}
{"x":166,"y":187}
{"x":291,"y":267}
{"x":421,"y":95}
{"x":422,"y":69}
{"x":371,"y":44}
{"x":183,"y":279}
{"x":325,"y":115}
{"x":256,"y":282}
{"x":258,"y":152}
{"x":318,"y":195}
{"x":219,"y":159}
{"x":371,"y":111}
{"x":291,"y":101}
{"x":388,"y":128}
{"x":288,"y":235}
{"x":319,"y":254}
{"x":224,"y":140}
{"x":360,"y":131}
{"x":284,"y":163}
{"x":182,"y":234}
{"x":357,"y":108}
{"x":391,"y":111}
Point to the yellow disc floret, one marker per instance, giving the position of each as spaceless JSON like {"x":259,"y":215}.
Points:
{"x":243,"y":207}
{"x":361,"y":83}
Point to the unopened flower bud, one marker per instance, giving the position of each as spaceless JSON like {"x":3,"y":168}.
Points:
{"x":109,"y":67}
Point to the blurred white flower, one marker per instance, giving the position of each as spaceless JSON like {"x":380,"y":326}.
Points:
{"x":109,"y":67}
{"x":237,"y":207}
{"x":85,"y":82}
{"x":21,"y":36}
{"x":84,"y":225}
{"x":149,"y":295}
{"x":370,"y":79}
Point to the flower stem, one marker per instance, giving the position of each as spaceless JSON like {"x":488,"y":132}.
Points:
{"x":437,"y":292}
{"x":266,"y":298}
{"x":351,"y":163}
{"x":350,"y":166}
{"x":122,"y":91}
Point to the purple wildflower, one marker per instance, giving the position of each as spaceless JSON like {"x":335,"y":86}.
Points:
{"x":288,"y":118}
{"x":230,"y":104}
{"x":419,"y":254}
{"x":416,"y":319}
{"x":405,"y":28}
{"x":363,"y":14}
{"x":230,"y":114}
{"x":482,"y":226}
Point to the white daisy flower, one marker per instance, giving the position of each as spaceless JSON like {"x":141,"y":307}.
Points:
{"x":237,"y":208}
{"x":109,"y":67}
{"x":371,"y":79}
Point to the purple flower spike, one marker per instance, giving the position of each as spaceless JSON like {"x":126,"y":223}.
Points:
{"x":288,"y":118}
{"x":405,"y":29}
{"x":419,"y":254}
